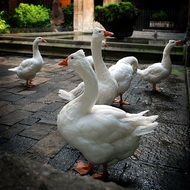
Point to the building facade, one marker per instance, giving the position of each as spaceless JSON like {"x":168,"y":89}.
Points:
{"x":84,"y":11}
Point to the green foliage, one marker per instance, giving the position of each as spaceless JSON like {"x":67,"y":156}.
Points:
{"x":4,"y":27}
{"x":68,"y":15}
{"x":32,"y":16}
{"x":2,"y":15}
{"x":160,"y":16}
{"x":117,"y":17}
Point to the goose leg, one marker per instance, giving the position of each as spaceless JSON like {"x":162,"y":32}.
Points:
{"x":83,"y":168}
{"x":29,"y":84}
{"x":101,"y":175}
{"x":121,"y":101}
{"x":155,"y":88}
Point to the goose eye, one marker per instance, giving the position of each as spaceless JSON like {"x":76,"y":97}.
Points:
{"x":71,"y":57}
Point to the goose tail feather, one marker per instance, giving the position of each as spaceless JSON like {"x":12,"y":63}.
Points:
{"x":13,"y":69}
{"x":143,"y":130}
{"x":65,"y":95}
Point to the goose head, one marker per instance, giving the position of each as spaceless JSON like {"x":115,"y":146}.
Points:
{"x":100,"y":34}
{"x":171,"y":44}
{"x":39,"y":39}
{"x":74,"y":60}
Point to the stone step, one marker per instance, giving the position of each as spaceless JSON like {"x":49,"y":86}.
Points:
{"x":57,"y":47}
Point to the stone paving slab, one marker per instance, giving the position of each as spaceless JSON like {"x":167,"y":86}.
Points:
{"x":28,"y":126}
{"x":13,"y":131}
{"x":18,"y":145}
{"x":49,"y":146}
{"x":14,"y":117}
{"x":37,"y":131}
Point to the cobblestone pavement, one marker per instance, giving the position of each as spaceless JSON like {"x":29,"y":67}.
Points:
{"x":28,"y":126}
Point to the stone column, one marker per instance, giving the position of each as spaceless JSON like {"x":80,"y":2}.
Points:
{"x":83,"y":15}
{"x":105,"y":2}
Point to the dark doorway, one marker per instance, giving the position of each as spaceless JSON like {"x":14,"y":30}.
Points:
{"x":98,"y":2}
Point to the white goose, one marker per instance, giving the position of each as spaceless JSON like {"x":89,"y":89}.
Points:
{"x":107,"y":85}
{"x":29,"y":67}
{"x":159,"y":71}
{"x":123,"y":72}
{"x":80,"y":87}
{"x":102,"y":133}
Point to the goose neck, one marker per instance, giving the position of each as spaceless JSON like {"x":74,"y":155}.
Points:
{"x":36,"y":52}
{"x":86,"y":101}
{"x":99,"y":64}
{"x":166,"y":60}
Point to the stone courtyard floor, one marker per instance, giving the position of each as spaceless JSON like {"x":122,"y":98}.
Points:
{"x":28,"y":126}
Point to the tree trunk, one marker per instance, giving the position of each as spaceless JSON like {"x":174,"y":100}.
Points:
{"x":57,"y":19}
{"x":12,"y":5}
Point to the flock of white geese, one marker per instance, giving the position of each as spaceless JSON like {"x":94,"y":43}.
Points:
{"x":102,"y":133}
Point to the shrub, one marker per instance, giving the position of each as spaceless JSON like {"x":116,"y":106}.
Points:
{"x":32,"y":16}
{"x":119,"y":18}
{"x":68,"y":15}
{"x":160,"y":16}
{"x":4,"y":27}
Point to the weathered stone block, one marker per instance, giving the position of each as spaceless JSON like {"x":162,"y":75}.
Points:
{"x":37,"y":131}
{"x":49,"y":146}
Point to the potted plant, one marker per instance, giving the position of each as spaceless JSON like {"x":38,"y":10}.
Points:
{"x":160,"y":19}
{"x":118,"y":18}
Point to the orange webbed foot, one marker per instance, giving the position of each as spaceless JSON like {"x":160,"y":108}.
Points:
{"x":124,"y":103}
{"x":83,"y":168}
{"x":121,"y":102}
{"x":29,"y":84}
{"x":156,"y":89}
{"x":100,"y":175}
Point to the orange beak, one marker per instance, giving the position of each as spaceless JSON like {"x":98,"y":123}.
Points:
{"x":64,"y":62}
{"x":179,"y":42}
{"x":107,"y":33}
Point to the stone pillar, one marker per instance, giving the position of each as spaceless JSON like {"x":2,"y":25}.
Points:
{"x":83,"y":15}
{"x":105,"y":2}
